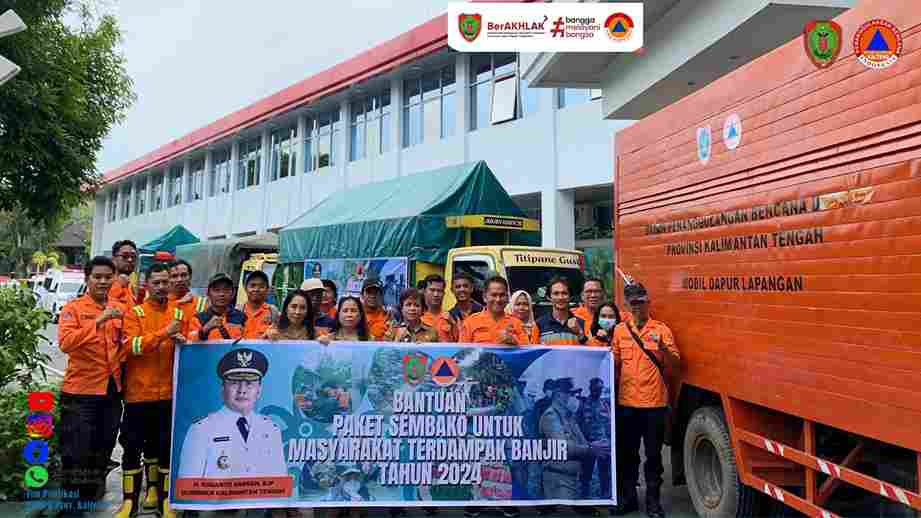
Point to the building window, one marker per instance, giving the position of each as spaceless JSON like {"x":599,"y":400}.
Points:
{"x":248,"y":169}
{"x":196,"y":180}
{"x":574,"y":96}
{"x":283,"y":153}
{"x":370,"y":126}
{"x":320,"y":142}
{"x":140,"y":196}
{"x":174,"y":187}
{"x":126,"y":201}
{"x":113,"y":205}
{"x":428,"y":106}
{"x":497,"y":93}
{"x":157,"y":192}
{"x":220,"y":173}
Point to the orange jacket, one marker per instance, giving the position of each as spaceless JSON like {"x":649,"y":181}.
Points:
{"x":93,"y":353}
{"x":149,"y":365}
{"x":122,"y":295}
{"x":259,"y":321}
{"x":482,"y":328}
{"x":639,"y":382}
{"x":443,"y":324}
{"x":378,"y":321}
{"x":589,"y":317}
{"x":196,"y":305}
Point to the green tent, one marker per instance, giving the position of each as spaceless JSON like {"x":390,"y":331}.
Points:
{"x":403,"y":217}
{"x":168,"y":241}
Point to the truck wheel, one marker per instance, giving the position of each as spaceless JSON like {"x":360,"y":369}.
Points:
{"x":710,"y":468}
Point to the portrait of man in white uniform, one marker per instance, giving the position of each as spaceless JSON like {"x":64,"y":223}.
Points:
{"x":235,"y":441}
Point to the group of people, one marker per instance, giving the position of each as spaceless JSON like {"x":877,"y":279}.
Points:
{"x":119,"y":378}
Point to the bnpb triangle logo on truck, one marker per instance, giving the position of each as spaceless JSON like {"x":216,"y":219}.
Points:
{"x":878,"y":44}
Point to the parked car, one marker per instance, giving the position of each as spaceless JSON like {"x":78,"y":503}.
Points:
{"x":62,"y":287}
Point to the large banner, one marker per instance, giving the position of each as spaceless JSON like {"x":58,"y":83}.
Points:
{"x":358,"y":424}
{"x":349,"y":274}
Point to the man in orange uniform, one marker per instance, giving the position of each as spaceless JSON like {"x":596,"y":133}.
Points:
{"x":221,"y":320}
{"x":180,"y":278}
{"x":372,"y":298}
{"x":492,"y":325}
{"x":433,"y":291}
{"x":330,"y":298}
{"x":462,"y":286}
{"x":151,"y":332}
{"x":644,"y":351}
{"x":91,"y":397}
{"x":125,"y":257}
{"x":593,"y":296}
{"x":260,"y":315}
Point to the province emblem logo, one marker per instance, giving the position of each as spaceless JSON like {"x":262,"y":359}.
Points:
{"x":822,"y":39}
{"x":469,"y":26}
{"x":414,"y":368}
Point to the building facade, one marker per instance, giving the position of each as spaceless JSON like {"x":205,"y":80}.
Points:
{"x":256,"y":170}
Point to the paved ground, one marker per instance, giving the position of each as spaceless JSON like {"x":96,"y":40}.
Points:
{"x":676,"y":501}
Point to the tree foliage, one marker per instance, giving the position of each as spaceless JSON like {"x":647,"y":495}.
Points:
{"x":54,"y":115}
{"x":21,"y":323}
{"x":22,"y":239}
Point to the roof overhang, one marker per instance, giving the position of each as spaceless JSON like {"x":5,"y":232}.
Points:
{"x":687,"y":46}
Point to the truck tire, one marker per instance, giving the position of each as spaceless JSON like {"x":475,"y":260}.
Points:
{"x":711,"y":471}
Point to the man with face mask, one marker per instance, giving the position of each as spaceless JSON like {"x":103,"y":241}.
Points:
{"x":594,"y":418}
{"x":560,"y":479}
{"x":235,"y":441}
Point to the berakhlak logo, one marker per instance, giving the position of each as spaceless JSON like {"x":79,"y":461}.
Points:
{"x":822,"y":39}
{"x":619,"y":27}
{"x":878,"y":44}
{"x":558,"y":28}
{"x":470,"y":25}
{"x":39,"y":426}
{"x":414,"y":368}
{"x":445,"y":371}
{"x":704,"y":142}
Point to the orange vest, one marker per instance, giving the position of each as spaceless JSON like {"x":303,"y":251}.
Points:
{"x":93,"y":353}
{"x":378,"y":321}
{"x":149,"y":365}
{"x":640,"y":384}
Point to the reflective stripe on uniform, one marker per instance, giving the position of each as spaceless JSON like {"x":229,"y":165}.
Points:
{"x":136,"y":345}
{"x":138,"y":310}
{"x":200,"y":306}
{"x":178,"y":314}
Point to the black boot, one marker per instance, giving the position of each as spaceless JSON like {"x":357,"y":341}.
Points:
{"x":653,"y":507}
{"x":627,"y":502}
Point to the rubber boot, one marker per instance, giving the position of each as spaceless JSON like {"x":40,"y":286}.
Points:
{"x":163,"y":509}
{"x":152,"y":497}
{"x":131,"y":491}
{"x":653,"y":507}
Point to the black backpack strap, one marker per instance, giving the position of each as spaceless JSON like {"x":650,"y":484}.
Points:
{"x":652,"y":357}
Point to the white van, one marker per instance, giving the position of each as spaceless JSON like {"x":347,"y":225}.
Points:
{"x":61,"y":287}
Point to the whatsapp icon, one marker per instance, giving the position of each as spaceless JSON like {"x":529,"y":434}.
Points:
{"x":36,"y":476}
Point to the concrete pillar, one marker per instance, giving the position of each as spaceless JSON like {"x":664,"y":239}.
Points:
{"x":345,"y":117}
{"x":462,"y":118}
{"x":234,"y":173}
{"x":265,"y":175}
{"x":396,"y":121}
{"x":558,"y":223}
{"x":206,"y":191}
{"x":303,"y":199}
{"x":99,"y":219}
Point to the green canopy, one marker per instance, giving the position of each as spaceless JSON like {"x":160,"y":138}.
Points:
{"x":223,"y":255}
{"x":403,"y":217}
{"x":168,"y":241}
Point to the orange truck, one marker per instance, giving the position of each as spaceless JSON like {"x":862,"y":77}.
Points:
{"x":786,"y":258}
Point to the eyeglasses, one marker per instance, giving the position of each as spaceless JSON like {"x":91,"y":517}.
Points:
{"x":127,"y":257}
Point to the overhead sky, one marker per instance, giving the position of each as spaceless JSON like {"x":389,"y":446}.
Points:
{"x":193,"y":62}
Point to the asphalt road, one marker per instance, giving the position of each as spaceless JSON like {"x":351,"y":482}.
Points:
{"x":676,"y":501}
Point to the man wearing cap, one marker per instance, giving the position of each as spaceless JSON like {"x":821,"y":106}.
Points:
{"x":221,"y":320}
{"x":322,"y":323}
{"x":558,"y":422}
{"x":372,"y":298}
{"x":260,"y":315}
{"x":235,"y":441}
{"x":642,"y":400}
{"x":594,"y":419}
{"x":151,"y":331}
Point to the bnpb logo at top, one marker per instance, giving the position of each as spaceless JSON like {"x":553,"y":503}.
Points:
{"x":470,"y":25}
{"x":878,"y":44}
{"x":619,"y":27}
